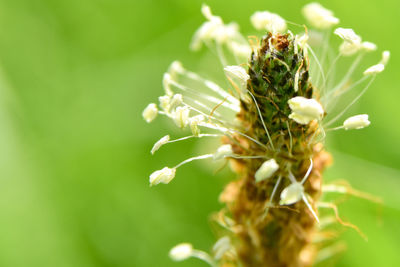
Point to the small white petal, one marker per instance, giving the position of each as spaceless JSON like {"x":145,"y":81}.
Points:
{"x":266,"y":170}
{"x":292,"y":194}
{"x":223,"y":151}
{"x":164,"y":176}
{"x":368,"y":46}
{"x":150,"y":112}
{"x":160,"y":143}
{"x":318,"y":16}
{"x":385,"y":57}
{"x":375,"y":69}
{"x":181,"y":252}
{"x":356,"y":122}
{"x":181,"y":116}
{"x":264,"y":20}
{"x":221,"y":246}
{"x":305,"y":110}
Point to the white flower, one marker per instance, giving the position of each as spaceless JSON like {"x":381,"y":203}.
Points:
{"x":181,"y":116}
{"x":223,"y":151}
{"x":164,"y":176}
{"x":240,"y":74}
{"x":160,"y":143}
{"x":318,"y":16}
{"x":181,"y":252}
{"x":375,"y":69}
{"x":194,"y":122}
{"x":264,"y":20}
{"x":356,"y":122}
{"x":267,"y":169}
{"x":305,"y":110}
{"x":385,"y":57}
{"x":150,"y":112}
{"x":368,"y":46}
{"x":292,"y":194}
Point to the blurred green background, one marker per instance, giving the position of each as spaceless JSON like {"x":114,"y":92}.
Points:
{"x":74,"y":159}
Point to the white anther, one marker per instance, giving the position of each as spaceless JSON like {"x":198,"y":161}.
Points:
{"x":266,"y":170}
{"x":160,"y":143}
{"x":264,"y":20}
{"x":223,"y":152}
{"x":318,"y":16}
{"x":181,"y":116}
{"x":181,"y":252}
{"x":194,"y":124}
{"x":356,"y":122}
{"x":164,"y":176}
{"x":150,"y":112}
{"x":305,"y":110}
{"x":292,"y":194}
{"x":375,"y":69}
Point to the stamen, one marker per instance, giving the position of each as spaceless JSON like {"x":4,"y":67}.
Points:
{"x":262,"y":120}
{"x":212,"y":86}
{"x":206,"y":156}
{"x":206,"y":97}
{"x":352,"y":102}
{"x":290,"y":138}
{"x":310,"y":208}
{"x":308,"y":172}
{"x":321,"y":70}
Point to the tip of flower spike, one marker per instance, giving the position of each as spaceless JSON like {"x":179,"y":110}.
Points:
{"x":181,"y":252}
{"x":164,"y":176}
{"x":318,"y":16}
{"x":292,"y":194}
{"x":266,"y":170}
{"x":150,"y":112}
{"x":356,"y":122}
